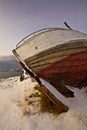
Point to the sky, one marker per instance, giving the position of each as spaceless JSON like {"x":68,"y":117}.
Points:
{"x":19,"y":18}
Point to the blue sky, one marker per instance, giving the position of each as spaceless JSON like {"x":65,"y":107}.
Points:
{"x":19,"y":18}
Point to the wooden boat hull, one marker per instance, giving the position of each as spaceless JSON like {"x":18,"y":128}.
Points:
{"x":70,"y":71}
{"x":48,"y":46}
{"x":55,"y":54}
{"x":49,"y":54}
{"x":58,"y":56}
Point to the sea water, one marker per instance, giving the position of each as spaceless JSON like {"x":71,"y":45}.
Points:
{"x":7,"y":74}
{"x":9,"y":67}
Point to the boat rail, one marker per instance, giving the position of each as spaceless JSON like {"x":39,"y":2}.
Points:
{"x":34,"y":34}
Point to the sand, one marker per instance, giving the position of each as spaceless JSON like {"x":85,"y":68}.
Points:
{"x":16,"y":114}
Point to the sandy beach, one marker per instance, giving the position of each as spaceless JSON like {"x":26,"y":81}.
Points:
{"x":17,"y":114}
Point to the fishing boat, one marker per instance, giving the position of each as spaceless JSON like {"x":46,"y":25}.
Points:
{"x":57,"y":55}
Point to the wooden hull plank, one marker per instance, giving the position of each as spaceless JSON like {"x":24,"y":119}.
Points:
{"x":69,"y":71}
{"x":48,"y":57}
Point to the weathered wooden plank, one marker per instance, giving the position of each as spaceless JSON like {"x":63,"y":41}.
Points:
{"x":47,"y":58}
{"x":70,"y":71}
{"x":75,"y":44}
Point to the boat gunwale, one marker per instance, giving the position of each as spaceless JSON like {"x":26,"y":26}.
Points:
{"x":36,"y":33}
{"x":39,"y":32}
